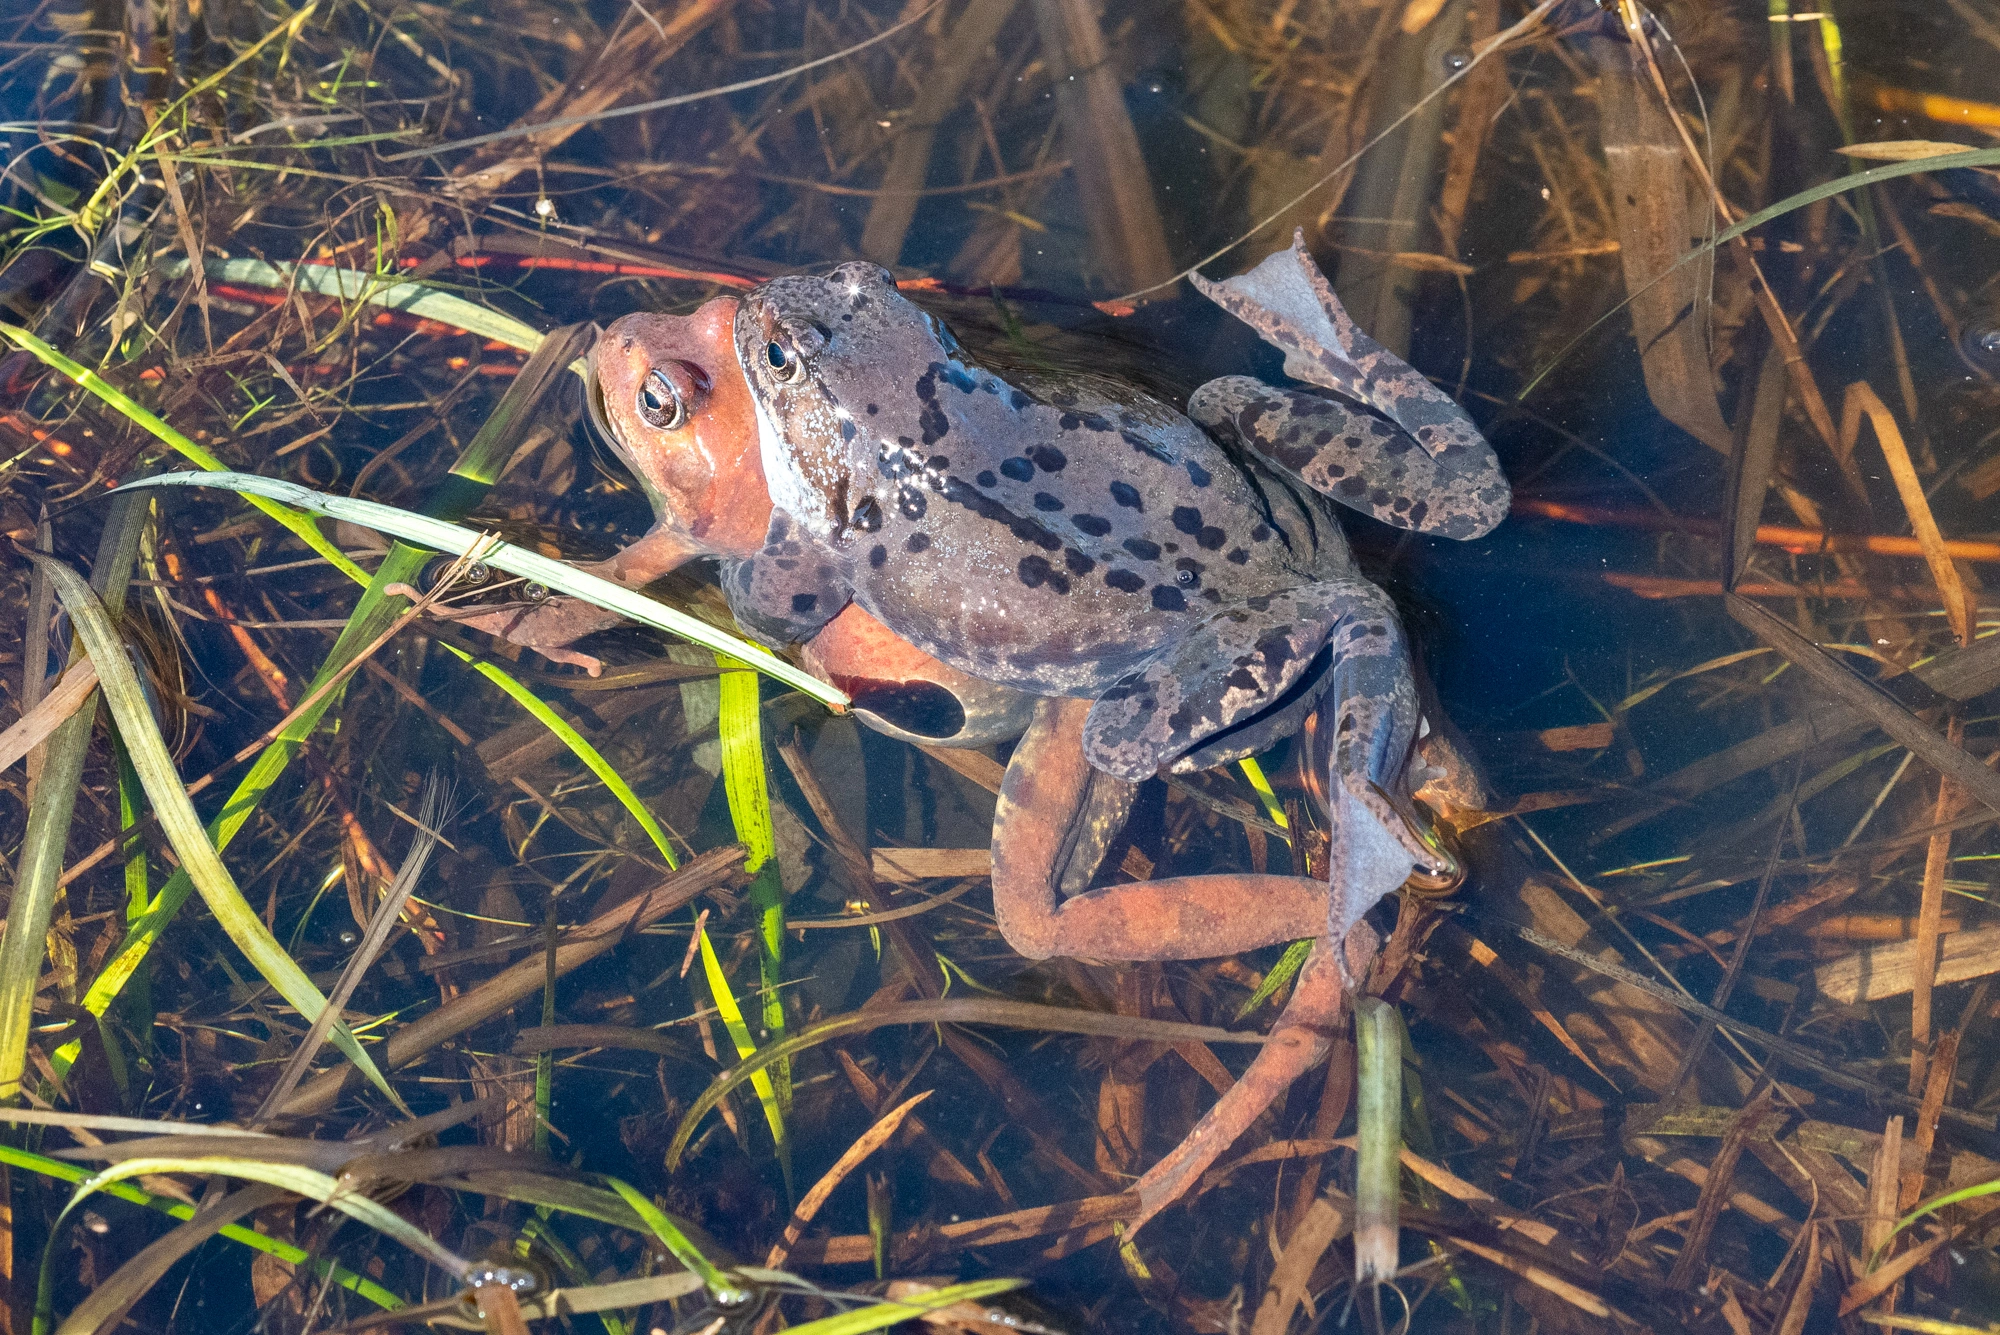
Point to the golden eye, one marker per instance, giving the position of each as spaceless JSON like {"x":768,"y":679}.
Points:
{"x":660,"y":403}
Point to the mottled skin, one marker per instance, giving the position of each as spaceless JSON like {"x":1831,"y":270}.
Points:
{"x":667,"y":396}
{"x":1179,"y":598}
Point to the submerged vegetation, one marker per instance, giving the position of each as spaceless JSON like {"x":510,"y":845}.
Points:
{"x":414,"y":973}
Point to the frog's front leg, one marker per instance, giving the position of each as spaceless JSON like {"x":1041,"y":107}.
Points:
{"x":1050,"y":826}
{"x":550,"y":627}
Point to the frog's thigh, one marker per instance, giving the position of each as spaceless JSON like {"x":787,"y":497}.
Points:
{"x":1360,"y":461}
{"x":1242,"y":679}
{"x":1056,"y":813}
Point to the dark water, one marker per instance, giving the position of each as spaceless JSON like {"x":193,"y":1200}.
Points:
{"x":1481,"y":239}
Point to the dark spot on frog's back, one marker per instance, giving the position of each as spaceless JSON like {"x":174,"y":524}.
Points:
{"x":803,"y":603}
{"x":1125,"y":581}
{"x":1187,"y":519}
{"x":878,"y":556}
{"x":986,"y":479}
{"x":911,"y":503}
{"x":1198,"y":475}
{"x":868,"y":515}
{"x":1141,"y":548}
{"x":1127,"y":495}
{"x":1078,"y":563}
{"x":874,"y":408}
{"x":917,"y":542}
{"x":1017,"y":469}
{"x":1095,"y":525}
{"x":1167,"y":598}
{"x":1035,"y":571}
{"x":1210,"y":539}
{"x":1047,"y":503}
{"x":1048,"y":458}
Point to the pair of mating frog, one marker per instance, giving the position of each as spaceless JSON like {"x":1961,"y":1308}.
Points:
{"x":1133,"y":590}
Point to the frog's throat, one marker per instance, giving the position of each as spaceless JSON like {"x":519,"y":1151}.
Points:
{"x":782,"y":477}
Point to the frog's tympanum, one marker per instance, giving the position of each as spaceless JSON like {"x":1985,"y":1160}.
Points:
{"x":666,"y":395}
{"x":1178,"y":597}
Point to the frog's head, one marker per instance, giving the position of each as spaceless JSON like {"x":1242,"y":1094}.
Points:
{"x":834,"y":364}
{"x":666,"y":394}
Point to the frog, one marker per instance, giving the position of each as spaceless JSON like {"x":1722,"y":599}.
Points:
{"x":1172,"y":588}
{"x":665,"y":395}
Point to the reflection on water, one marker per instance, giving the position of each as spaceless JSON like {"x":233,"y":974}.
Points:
{"x":1747,"y":820}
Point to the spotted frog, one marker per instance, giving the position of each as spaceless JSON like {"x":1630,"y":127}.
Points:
{"x":1173,"y":588}
{"x":668,"y":398}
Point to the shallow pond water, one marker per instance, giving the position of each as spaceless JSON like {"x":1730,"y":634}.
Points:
{"x":1709,"y":1013}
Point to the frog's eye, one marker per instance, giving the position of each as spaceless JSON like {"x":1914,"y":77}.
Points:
{"x":660,"y":403}
{"x":785,"y":361}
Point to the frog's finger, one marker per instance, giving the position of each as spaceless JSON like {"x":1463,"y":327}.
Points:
{"x":1288,"y":301}
{"x":1242,"y":679}
{"x":1360,"y":461}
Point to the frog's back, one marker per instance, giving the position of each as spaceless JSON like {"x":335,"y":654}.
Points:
{"x":1052,"y":537}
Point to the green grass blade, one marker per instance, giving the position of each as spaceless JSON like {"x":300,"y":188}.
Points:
{"x":741,"y":724}
{"x":746,"y":1050}
{"x":1286,"y":969}
{"x":302,"y":525}
{"x":64,"y":1171}
{"x":440,"y":536}
{"x":418,"y":299}
{"x":882,"y":1315}
{"x":300,"y":1181}
{"x":119,"y":687}
{"x":577,"y":743}
{"x":38,"y":866}
{"x":721,"y":1288}
{"x":1378,"y":1180}
{"x":38,"y":872}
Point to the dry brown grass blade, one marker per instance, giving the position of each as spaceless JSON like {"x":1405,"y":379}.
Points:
{"x":1483,"y":955}
{"x":1541,"y":1277}
{"x":1878,"y":1226}
{"x":1883,"y":1280}
{"x":33,"y":728}
{"x":909,"y":162}
{"x":1880,"y":972}
{"x":1793,"y":1322}
{"x":1937,"y":1088}
{"x":1649,"y":197}
{"x":1930,"y":919}
{"x":1329,"y":1218}
{"x":1692,"y":1262}
{"x":870,"y":1140}
{"x":1876,"y":705}
{"x":715,"y":869}
{"x":1014,"y":1226}
{"x":1129,"y":244}
{"x":637,"y":50}
{"x":1861,"y":400}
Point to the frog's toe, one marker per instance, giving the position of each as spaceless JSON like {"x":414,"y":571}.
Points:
{"x":1359,"y":460}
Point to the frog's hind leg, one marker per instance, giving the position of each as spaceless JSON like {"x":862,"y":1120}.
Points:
{"x":1244,"y":678}
{"x":1297,"y":1043}
{"x":1363,"y":462}
{"x":1288,"y":301}
{"x":1056,"y":816}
